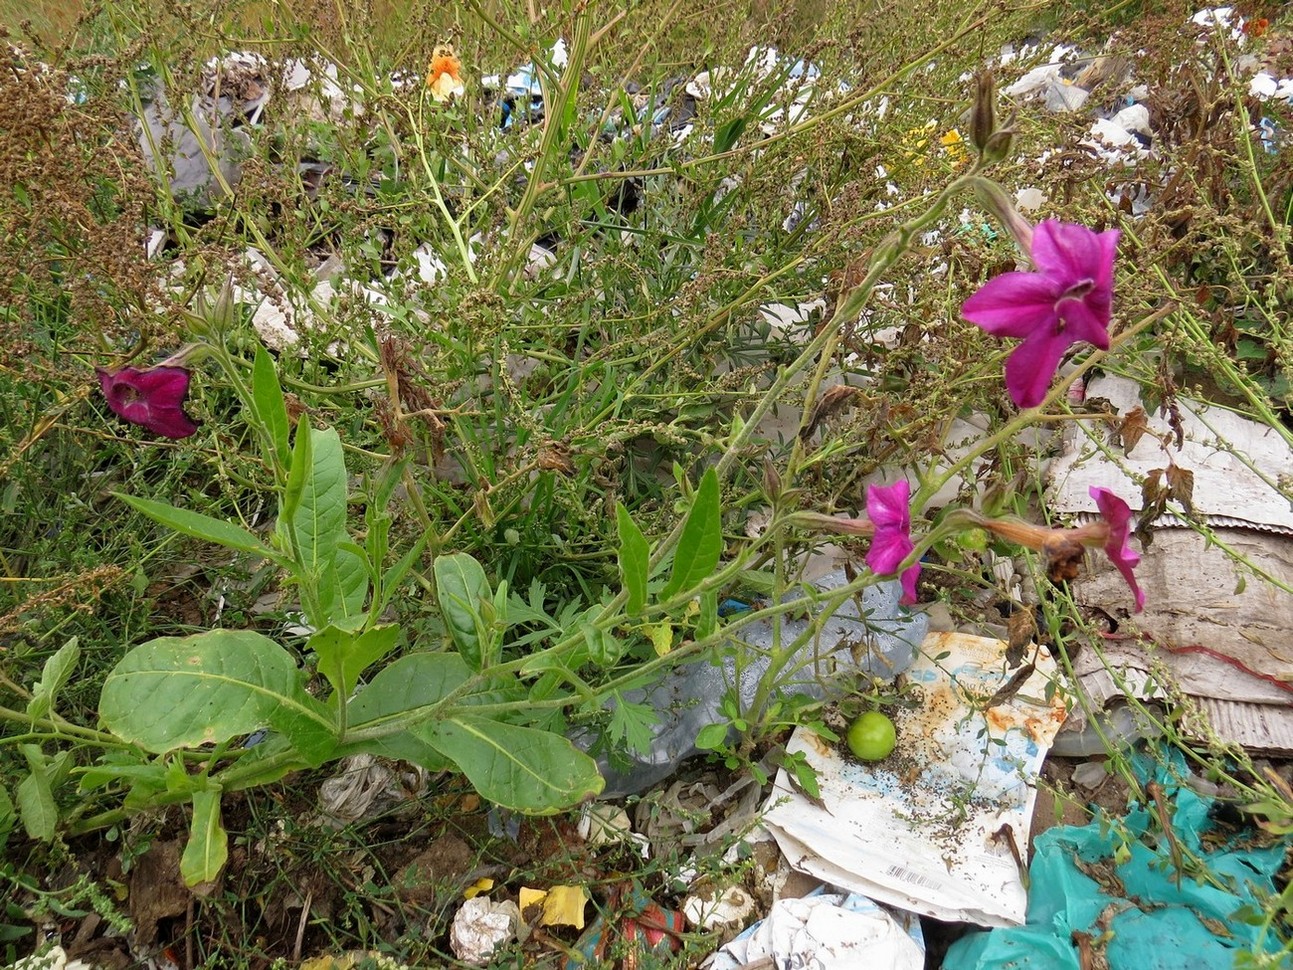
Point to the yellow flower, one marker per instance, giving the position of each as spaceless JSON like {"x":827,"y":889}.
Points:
{"x":954,"y":145}
{"x":444,"y":77}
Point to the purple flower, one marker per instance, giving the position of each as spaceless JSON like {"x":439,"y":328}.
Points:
{"x":1117,"y":516}
{"x":887,"y":506}
{"x":1066,"y":300}
{"x":152,"y":397}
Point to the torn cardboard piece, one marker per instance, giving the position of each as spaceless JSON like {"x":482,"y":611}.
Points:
{"x":1235,"y":462}
{"x":941,"y":826}
{"x":1210,"y":625}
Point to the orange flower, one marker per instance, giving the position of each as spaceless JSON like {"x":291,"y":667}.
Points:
{"x":444,"y":77}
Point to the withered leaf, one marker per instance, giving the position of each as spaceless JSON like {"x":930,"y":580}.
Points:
{"x":1174,"y":421}
{"x":1011,"y":687}
{"x":832,"y":401}
{"x":1180,"y":486}
{"x":1021,"y":629}
{"x":1132,"y":428}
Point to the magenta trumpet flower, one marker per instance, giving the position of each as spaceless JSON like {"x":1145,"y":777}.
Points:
{"x":887,"y":507}
{"x":1117,"y":516}
{"x":151,"y":397}
{"x":1067,"y":299}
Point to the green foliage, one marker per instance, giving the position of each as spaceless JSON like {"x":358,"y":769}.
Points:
{"x":458,"y":487}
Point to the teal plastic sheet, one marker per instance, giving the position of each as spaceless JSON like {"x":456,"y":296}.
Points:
{"x":1116,"y":881}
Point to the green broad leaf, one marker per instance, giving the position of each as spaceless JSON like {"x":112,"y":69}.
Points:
{"x":208,"y":847}
{"x":271,"y":407}
{"x":200,"y":526}
{"x":707,"y":621}
{"x":460,"y":584}
{"x":8,"y":816}
{"x":56,"y":673}
{"x":635,"y":558}
{"x":96,"y":776}
{"x":298,"y":474}
{"x":521,"y":768}
{"x":344,"y":655}
{"x":712,"y":736}
{"x":603,"y":648}
{"x":318,"y":526}
{"x":701,"y":544}
{"x":178,"y":692}
{"x":414,"y":681}
{"x":36,"y":806}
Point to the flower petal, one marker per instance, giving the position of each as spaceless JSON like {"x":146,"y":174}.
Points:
{"x":909,"y":577}
{"x":1013,"y":304}
{"x":887,"y":552}
{"x":1082,"y":322}
{"x":1117,"y":514}
{"x":1032,"y":366}
{"x":1066,"y":251}
{"x":151,"y":397}
{"x":161,"y":386}
{"x":887,"y":506}
{"x":170,"y":423}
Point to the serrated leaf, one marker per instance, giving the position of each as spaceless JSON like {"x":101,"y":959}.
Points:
{"x":200,"y":526}
{"x":632,"y":723}
{"x":36,"y":806}
{"x":701,"y":543}
{"x":1180,"y":486}
{"x":1132,"y":428}
{"x":177,"y":692}
{"x":55,"y":674}
{"x":521,"y":768}
{"x":634,"y":559}
{"x":460,"y":584}
{"x":207,"y":849}
{"x":344,"y":655}
{"x":271,"y":407}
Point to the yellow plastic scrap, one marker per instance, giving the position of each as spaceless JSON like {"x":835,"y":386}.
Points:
{"x":562,"y":905}
{"x":482,"y":885}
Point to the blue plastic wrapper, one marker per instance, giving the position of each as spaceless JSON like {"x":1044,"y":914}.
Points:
{"x":1142,"y":913}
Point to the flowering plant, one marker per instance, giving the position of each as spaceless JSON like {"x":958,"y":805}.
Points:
{"x":151,"y":397}
{"x":1065,"y":300}
{"x":444,"y":74}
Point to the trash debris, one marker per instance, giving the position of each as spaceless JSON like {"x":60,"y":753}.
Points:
{"x":646,"y":926}
{"x":55,"y":958}
{"x":1222,"y":640}
{"x":870,"y":633}
{"x":697,"y":813}
{"x":365,"y":786}
{"x":480,"y":926}
{"x":604,"y":824}
{"x":828,"y":931}
{"x":941,"y":826}
{"x":1126,"y":894}
{"x":1113,"y":724}
{"x":727,"y":909}
{"x":558,"y":906}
